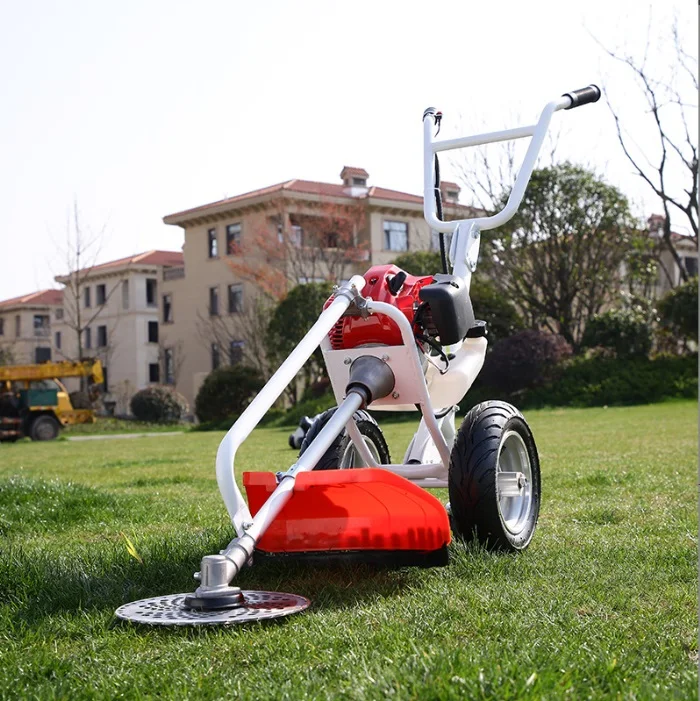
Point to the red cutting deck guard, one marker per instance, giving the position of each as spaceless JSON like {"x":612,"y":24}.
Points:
{"x":361,"y":509}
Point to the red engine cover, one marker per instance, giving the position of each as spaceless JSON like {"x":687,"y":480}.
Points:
{"x":354,"y":331}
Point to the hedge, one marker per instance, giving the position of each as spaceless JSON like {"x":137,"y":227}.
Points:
{"x":600,"y":381}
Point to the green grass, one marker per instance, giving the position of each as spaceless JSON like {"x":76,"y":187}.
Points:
{"x":107,"y":424}
{"x":602,"y":605}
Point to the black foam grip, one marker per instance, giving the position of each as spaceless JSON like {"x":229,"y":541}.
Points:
{"x":583,"y":96}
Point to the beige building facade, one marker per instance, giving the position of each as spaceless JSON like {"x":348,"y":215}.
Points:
{"x":25,"y":326}
{"x":114,"y":306}
{"x":270,"y":239}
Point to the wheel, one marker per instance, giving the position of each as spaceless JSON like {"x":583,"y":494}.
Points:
{"x":44,"y":428}
{"x":494,"y":478}
{"x":342,"y":454}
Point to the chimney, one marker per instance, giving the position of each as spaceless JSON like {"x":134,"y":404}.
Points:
{"x":354,"y":177}
{"x":656,"y":224}
{"x":449,"y":192}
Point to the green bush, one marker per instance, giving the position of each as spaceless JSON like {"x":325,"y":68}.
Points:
{"x":602,"y":381}
{"x":678,"y":310}
{"x":226,"y":392}
{"x":419,"y":262}
{"x":290,"y":322}
{"x":159,"y":404}
{"x":495,"y":309}
{"x":625,"y":332}
{"x":527,"y":359}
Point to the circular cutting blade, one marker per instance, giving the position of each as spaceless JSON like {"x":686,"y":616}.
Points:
{"x":171,"y":611}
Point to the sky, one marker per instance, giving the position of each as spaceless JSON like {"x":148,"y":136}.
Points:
{"x":138,"y":109}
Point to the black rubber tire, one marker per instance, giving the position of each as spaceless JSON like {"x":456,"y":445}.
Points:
{"x":44,"y":428}
{"x":472,"y":477}
{"x":331,"y":459}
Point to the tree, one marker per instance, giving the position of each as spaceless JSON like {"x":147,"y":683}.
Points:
{"x":305,"y":242}
{"x":679,"y":312}
{"x":6,"y":356}
{"x":559,"y":258}
{"x":419,"y":262}
{"x":80,"y":254}
{"x":242,"y":335}
{"x":669,"y":165}
{"x":290,"y":321}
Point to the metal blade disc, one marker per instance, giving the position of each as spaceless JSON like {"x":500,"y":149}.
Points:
{"x":171,"y":611}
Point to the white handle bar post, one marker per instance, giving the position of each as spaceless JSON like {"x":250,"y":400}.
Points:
{"x":249,"y":419}
{"x":464,"y":247}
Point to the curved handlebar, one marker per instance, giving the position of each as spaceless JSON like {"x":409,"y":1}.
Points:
{"x":537,"y":131}
{"x":583,"y":96}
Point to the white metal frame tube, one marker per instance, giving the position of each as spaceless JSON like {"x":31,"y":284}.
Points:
{"x":431,"y":147}
{"x":249,"y":419}
{"x":428,"y":412}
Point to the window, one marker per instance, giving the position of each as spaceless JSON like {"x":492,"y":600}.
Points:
{"x":330,"y":240}
{"x":2,"y":327}
{"x":361,"y":182}
{"x":215,"y":356}
{"x":18,"y":325}
{"x":435,"y":241}
{"x":87,"y":337}
{"x":101,"y":336}
{"x":297,"y":237}
{"x":105,"y":384}
{"x":42,"y":355}
{"x":57,"y":340}
{"x":153,"y":372}
{"x":153,"y":332}
{"x":125,"y":294}
{"x":212,"y":244}
{"x":236,"y":351}
{"x":233,"y":239}
{"x":169,"y":366}
{"x":691,"y":265}
{"x":41,"y":325}
{"x":100,"y":294}
{"x":235,"y":299}
{"x":395,"y":235}
{"x":213,"y":301}
{"x":167,"y":309}
{"x":59,"y":314}
{"x":151,"y":291}
{"x":86,"y":297}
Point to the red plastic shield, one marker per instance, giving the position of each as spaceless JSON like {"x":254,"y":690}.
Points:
{"x":361,"y":509}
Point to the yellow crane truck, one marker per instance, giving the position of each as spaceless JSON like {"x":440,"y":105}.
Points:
{"x":34,"y":402}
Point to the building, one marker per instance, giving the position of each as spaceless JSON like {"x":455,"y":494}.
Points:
{"x":25,"y":326}
{"x":669,"y":275}
{"x":111,"y":312}
{"x":268,"y":239}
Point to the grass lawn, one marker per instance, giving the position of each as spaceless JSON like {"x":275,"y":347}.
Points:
{"x":108,"y":424}
{"x":602,"y":605}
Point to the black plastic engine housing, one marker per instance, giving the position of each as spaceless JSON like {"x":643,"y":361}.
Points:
{"x":451,"y":307}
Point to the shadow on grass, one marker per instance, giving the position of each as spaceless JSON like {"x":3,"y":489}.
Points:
{"x":42,"y":582}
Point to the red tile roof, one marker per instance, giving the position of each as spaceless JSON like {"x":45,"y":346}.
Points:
{"x":41,"y":298}
{"x":349,"y":171}
{"x":308,"y":187}
{"x":166,"y":258}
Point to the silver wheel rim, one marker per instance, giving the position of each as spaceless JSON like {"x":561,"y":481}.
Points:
{"x":351,"y":457}
{"x":514,"y":482}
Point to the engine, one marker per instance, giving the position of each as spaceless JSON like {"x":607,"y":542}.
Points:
{"x":437,"y":306}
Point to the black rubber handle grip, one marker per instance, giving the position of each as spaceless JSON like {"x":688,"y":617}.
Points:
{"x":583,"y":96}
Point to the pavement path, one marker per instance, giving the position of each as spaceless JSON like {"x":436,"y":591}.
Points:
{"x":106,"y":436}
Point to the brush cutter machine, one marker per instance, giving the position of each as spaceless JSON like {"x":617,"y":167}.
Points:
{"x":391,"y":342}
